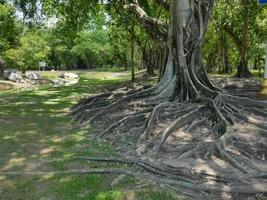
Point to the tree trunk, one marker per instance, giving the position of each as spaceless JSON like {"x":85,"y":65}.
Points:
{"x":150,"y":63}
{"x":242,"y":69}
{"x":132,"y":51}
{"x":2,"y":67}
{"x":184,"y":74}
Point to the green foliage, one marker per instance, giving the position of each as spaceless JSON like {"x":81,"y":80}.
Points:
{"x":221,"y":47}
{"x":92,"y":34}
{"x":8,"y":29}
{"x":33,"y":49}
{"x":93,"y":47}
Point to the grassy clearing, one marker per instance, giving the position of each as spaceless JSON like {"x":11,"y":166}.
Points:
{"x":36,"y":135}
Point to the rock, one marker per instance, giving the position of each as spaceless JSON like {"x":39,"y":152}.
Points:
{"x":32,"y":75}
{"x":58,"y":82}
{"x":7,"y":72}
{"x":13,"y":75}
{"x":67,"y":75}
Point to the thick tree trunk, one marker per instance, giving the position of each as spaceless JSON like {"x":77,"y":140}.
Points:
{"x":185,"y":75}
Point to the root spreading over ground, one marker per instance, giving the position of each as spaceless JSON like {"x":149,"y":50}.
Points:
{"x":185,"y":132}
{"x":205,"y":145}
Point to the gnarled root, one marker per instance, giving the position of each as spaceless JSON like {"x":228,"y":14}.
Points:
{"x":175,"y":139}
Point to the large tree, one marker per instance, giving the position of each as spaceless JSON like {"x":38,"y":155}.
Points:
{"x":184,"y":125}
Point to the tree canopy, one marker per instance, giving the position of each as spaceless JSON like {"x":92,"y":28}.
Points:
{"x":82,"y":34}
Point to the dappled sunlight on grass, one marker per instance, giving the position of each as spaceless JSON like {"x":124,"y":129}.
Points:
{"x":113,"y":195}
{"x":36,"y":135}
{"x":45,"y":92}
{"x":47,"y":150}
{"x":13,"y":162}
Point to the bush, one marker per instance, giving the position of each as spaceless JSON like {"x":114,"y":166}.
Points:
{"x":33,"y":49}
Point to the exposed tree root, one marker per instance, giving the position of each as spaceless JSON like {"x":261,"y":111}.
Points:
{"x":169,"y":133}
{"x":124,"y":120}
{"x":172,"y":177}
{"x":154,"y":179}
{"x":176,"y":125}
{"x":72,"y":172}
{"x":153,"y":117}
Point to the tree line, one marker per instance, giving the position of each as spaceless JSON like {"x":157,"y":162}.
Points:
{"x":84,"y":35}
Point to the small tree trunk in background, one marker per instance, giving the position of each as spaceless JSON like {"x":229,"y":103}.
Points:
{"x":226,"y":61}
{"x":265,"y":68}
{"x":164,"y":57}
{"x":2,"y":67}
{"x":242,"y":69}
{"x":151,"y":62}
{"x":132,"y":51}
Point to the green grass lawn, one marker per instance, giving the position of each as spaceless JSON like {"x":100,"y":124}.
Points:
{"x":37,"y":135}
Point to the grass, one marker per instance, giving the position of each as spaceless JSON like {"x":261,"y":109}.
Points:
{"x":36,"y":135}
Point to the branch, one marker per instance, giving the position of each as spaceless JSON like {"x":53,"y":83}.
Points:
{"x":72,"y":172}
{"x":156,"y":28}
{"x":144,"y":17}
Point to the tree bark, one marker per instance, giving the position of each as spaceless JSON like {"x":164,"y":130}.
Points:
{"x":242,"y":43}
{"x":242,"y":69}
{"x":132,"y":51}
{"x":2,"y":67}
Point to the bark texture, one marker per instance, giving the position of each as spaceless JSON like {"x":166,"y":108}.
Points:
{"x":2,"y":67}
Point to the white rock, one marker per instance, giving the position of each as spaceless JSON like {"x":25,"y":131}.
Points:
{"x":13,"y":75}
{"x":32,"y":75}
{"x":67,"y":75}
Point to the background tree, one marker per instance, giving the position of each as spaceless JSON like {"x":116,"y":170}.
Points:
{"x":237,"y":18}
{"x":33,"y":49}
{"x":2,"y":67}
{"x":8,"y":28}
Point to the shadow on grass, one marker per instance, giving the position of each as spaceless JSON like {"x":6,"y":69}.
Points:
{"x":36,"y":135}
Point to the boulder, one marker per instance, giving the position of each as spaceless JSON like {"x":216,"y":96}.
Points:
{"x":32,"y":75}
{"x":67,"y":75}
{"x":7,"y":72}
{"x":13,"y":75}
